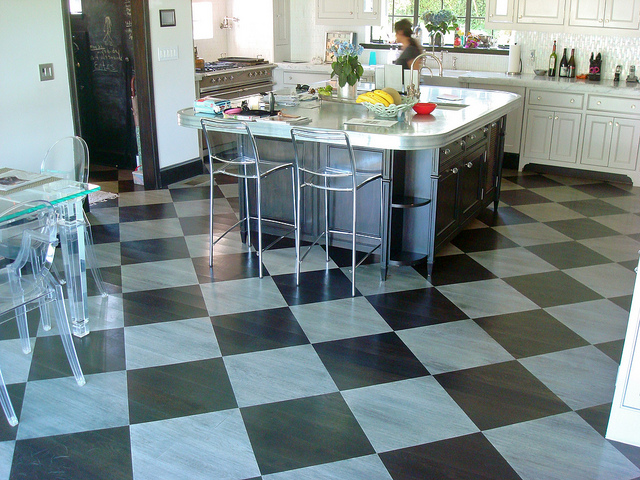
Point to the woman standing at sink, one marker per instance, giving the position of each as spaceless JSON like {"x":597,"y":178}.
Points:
{"x":410,"y":46}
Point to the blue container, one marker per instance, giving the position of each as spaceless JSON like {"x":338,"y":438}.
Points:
{"x":372,"y":58}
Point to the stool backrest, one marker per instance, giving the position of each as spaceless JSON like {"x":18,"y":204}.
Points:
{"x":225,"y":143}
{"x":68,"y":158}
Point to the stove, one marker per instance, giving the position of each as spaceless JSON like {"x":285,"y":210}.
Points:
{"x":233,"y":77}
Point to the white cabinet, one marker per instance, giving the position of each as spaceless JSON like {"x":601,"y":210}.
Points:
{"x":348,"y":12}
{"x":281,"y":16}
{"x":605,"y":13}
{"x":500,"y":11}
{"x":549,"y":12}
{"x":611,"y":142}
{"x":624,"y":421}
{"x":552,"y":135}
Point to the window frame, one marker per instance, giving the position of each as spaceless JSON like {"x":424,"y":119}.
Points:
{"x":415,"y":19}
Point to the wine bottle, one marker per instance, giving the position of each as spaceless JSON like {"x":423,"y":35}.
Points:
{"x":564,"y":65}
{"x":572,"y":65}
{"x":553,"y":61}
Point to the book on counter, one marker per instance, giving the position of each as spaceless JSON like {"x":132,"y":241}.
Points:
{"x":210,"y":105}
{"x":13,"y":180}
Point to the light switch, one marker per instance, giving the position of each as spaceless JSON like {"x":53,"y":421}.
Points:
{"x":167,"y":53}
{"x":46,"y":71}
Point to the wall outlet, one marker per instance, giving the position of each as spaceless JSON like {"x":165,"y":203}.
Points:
{"x":46,"y":71}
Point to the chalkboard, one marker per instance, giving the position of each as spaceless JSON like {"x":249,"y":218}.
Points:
{"x":110,"y":42}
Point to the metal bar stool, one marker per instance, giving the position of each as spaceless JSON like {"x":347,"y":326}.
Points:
{"x":233,"y":152}
{"x":322,"y":176}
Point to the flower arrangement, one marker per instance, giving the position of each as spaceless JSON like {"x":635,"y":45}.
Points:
{"x":346,"y":65}
{"x":440,"y":23}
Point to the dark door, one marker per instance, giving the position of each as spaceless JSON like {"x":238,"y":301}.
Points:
{"x":103,"y":60}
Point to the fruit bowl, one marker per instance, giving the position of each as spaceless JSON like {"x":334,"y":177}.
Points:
{"x":379,"y":110}
{"x":540,"y":72}
{"x":424,"y":108}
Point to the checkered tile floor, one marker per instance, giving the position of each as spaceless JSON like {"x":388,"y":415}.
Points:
{"x":501,"y":366}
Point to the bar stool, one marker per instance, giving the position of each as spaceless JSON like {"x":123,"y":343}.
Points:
{"x":233,"y":148}
{"x":322,"y":176}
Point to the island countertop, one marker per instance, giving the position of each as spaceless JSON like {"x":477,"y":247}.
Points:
{"x":450,"y":121}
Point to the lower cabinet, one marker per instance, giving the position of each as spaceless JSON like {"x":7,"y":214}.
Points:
{"x":610,"y":142}
{"x":552,"y":135}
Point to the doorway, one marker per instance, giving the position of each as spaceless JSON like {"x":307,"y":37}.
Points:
{"x":103,"y":62}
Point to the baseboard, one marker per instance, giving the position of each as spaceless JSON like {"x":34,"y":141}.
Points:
{"x":578,"y":173}
{"x":180,"y":172}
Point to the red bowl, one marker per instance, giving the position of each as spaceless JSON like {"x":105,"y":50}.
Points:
{"x":424,"y":108}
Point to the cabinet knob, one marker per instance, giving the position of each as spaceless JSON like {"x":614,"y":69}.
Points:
{"x":610,"y":123}
{"x":485,"y":130}
{"x":447,"y":151}
{"x":633,"y":106}
{"x":606,"y":20}
{"x":491,"y":15}
{"x":572,"y":100}
{"x":555,"y":118}
{"x":470,"y":165}
{"x":462,"y":143}
{"x":539,"y":98}
{"x":454,"y":170}
{"x":472,"y":137}
{"x":598,"y":102}
{"x":494,"y":124}
{"x":550,"y":117}
{"x":600,"y":20}
{"x":519,"y":16}
{"x":617,"y":124}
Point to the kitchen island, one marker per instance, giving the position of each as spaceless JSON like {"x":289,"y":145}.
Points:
{"x":439,"y":170}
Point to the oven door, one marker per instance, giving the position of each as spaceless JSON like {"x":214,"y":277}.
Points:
{"x":235,"y":91}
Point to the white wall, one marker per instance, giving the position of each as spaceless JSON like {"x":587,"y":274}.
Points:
{"x":252,"y":35}
{"x":34,"y":114}
{"x":173,"y":82}
{"x":212,"y":49}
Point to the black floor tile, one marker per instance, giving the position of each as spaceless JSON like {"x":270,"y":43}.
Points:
{"x":503,"y":216}
{"x":9,"y":327}
{"x":256,"y":331}
{"x":154,"y":250}
{"x":171,"y":391}
{"x":593,"y":208}
{"x":415,"y":308}
{"x":630,"y":451}
{"x":597,"y":417}
{"x":565,"y":290}
{"x":370,"y":360}
{"x":450,"y":269}
{"x":233,"y":266}
{"x":604,"y":189}
{"x":127,"y":185}
{"x":630,"y":264}
{"x":623,"y":302}
{"x":533,"y":181}
{"x":469,"y":457}
{"x":105,"y":233}
{"x":582,"y":228}
{"x":100,"y":351}
{"x":16,"y":394}
{"x":154,"y":211}
{"x":342,"y":257}
{"x":501,"y":394}
{"x":612,"y":349}
{"x":199,"y":225}
{"x":522,"y":197}
{"x":111,"y":280}
{"x":315,"y":286}
{"x":163,"y":305}
{"x":194,"y":193}
{"x":534,"y":332}
{"x":98,"y":455}
{"x":304,"y":432}
{"x":568,"y":255}
{"x":481,"y":239}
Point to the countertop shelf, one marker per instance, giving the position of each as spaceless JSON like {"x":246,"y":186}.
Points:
{"x":409,"y":202}
{"x":402,"y":258}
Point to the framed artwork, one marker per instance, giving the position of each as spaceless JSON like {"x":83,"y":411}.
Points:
{"x":168,"y":18}
{"x":341,"y":36}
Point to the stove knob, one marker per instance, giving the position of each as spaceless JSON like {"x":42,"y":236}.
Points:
{"x":225,"y":79}
{"x":230,"y":77}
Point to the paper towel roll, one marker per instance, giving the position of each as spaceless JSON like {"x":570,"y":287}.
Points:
{"x":514,"y":58}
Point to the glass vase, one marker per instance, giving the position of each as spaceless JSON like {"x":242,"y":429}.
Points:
{"x":348,"y":92}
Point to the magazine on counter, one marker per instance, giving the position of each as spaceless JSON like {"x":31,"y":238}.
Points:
{"x":12,"y":180}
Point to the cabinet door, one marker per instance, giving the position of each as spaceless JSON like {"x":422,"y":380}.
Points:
{"x":597,"y":140}
{"x":513,"y":131}
{"x":500,"y":11}
{"x":622,"y":14}
{"x":369,"y":10}
{"x":490,"y":170}
{"x":336,"y":9}
{"x":281,"y":22}
{"x":564,"y":139}
{"x":446,"y":207}
{"x":539,"y":126}
{"x":624,"y":143}
{"x":587,"y":13}
{"x":550,"y":12}
{"x":470,"y":182}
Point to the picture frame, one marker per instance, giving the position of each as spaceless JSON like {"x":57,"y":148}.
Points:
{"x":331,"y":37}
{"x":168,"y":18}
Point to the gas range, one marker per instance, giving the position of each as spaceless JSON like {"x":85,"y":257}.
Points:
{"x":232,"y":77}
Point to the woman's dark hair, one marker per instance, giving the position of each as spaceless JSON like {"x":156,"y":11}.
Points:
{"x":405,"y":27}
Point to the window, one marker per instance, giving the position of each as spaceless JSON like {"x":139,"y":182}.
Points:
{"x":470,"y":15}
{"x":202,"y":20}
{"x":75,"y":7}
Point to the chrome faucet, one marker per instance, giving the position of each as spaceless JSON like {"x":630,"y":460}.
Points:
{"x":413,"y":90}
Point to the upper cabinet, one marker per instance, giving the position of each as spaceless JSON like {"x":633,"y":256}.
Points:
{"x":348,"y":12}
{"x":611,"y":16}
{"x":605,"y":13}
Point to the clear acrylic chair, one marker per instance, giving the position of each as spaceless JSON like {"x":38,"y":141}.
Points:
{"x":233,"y":151}
{"x":69,"y":158}
{"x":327,"y":178}
{"x":26,"y":282}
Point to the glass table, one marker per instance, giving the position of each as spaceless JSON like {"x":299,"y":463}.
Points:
{"x":67,"y":196}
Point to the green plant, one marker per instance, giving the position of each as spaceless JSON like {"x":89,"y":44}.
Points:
{"x":441,"y":22}
{"x":346,"y":65}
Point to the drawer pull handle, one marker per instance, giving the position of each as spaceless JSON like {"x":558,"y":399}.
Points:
{"x":539,"y":98}
{"x":454,"y":170}
{"x":599,"y":102}
{"x":447,"y":151}
{"x":470,"y":165}
{"x":462,"y":143}
{"x":472,"y":137}
{"x":493,"y":125}
{"x":571,"y":101}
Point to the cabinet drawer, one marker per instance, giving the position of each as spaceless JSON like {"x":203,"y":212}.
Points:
{"x":295,"y":78}
{"x":629,"y":106}
{"x":476,"y":137}
{"x":450,"y":151}
{"x":556,"y":99}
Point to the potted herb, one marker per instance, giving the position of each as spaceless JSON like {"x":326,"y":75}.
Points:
{"x":346,"y":66}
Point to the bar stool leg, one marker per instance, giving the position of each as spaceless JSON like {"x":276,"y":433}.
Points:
{"x":247,"y":214}
{"x":211,"y":222}
{"x":353,"y":245}
{"x":298,"y":201}
{"x":326,"y":222}
{"x":259,"y":214}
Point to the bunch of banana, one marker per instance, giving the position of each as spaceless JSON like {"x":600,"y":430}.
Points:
{"x":376,"y":96}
